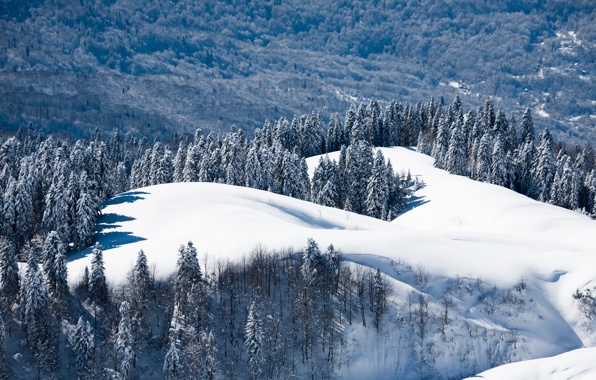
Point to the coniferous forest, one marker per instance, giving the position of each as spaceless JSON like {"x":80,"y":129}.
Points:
{"x":276,"y":314}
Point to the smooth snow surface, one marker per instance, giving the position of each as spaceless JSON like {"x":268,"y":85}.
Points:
{"x":573,"y":365}
{"x":454,"y":227}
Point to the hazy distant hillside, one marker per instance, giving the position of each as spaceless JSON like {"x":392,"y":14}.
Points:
{"x":157,"y":66}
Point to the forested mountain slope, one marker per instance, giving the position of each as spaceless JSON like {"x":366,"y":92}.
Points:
{"x":162,"y":66}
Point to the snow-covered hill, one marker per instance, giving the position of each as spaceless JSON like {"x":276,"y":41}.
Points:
{"x":470,"y":237}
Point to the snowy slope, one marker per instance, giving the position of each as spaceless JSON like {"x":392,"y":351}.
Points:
{"x":573,"y":365}
{"x":459,"y":228}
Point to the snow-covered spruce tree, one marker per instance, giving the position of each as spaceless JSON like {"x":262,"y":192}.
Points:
{"x":253,"y":340}
{"x":55,"y":271}
{"x":86,"y":214}
{"x":188,"y":276}
{"x":570,"y":186}
{"x":124,"y":342}
{"x":8,"y":210}
{"x":313,"y":135}
{"x":335,"y":133}
{"x":456,"y":158}
{"x":526,"y":128}
{"x":5,"y":372}
{"x":98,"y":287}
{"x":312,"y":263}
{"x":499,"y":175}
{"x":172,"y":370}
{"x":9,"y":275}
{"x":544,"y":171}
{"x":23,"y":209}
{"x":55,"y":210}
{"x":37,"y":325}
{"x":359,"y":159}
{"x":211,"y":361}
{"x":142,"y":286}
{"x":523,"y":163}
{"x":328,"y":195}
{"x":323,"y":183}
{"x":253,"y":171}
{"x":179,"y":160}
{"x":441,"y":143}
{"x":377,"y":190}
{"x":590,"y":184}
{"x":333,"y":265}
{"x":484,"y":158}
{"x":82,"y":345}
{"x":234,"y":153}
{"x":556,"y":196}
{"x":379,"y":298}
{"x":194,"y":156}
{"x":342,"y":180}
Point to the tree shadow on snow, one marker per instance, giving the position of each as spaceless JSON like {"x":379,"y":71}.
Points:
{"x":108,"y":240}
{"x":307,"y":219}
{"x":110,"y":220}
{"x":128,"y":197}
{"x":413,"y":202}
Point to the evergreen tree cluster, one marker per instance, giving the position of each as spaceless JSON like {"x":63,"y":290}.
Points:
{"x":484,"y":145}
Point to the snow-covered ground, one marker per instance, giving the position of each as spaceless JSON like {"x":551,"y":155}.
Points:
{"x":573,"y":365}
{"x":456,"y":228}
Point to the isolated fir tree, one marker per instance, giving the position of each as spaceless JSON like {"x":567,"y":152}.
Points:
{"x":253,"y":340}
{"x":172,"y":368}
{"x":98,"y":287}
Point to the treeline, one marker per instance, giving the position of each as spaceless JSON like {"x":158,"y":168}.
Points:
{"x":272,"y":315}
{"x":484,"y":145}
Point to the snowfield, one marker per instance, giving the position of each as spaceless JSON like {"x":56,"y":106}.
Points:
{"x":456,"y":228}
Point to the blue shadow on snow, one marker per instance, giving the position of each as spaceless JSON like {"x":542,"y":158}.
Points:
{"x":128,"y":197}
